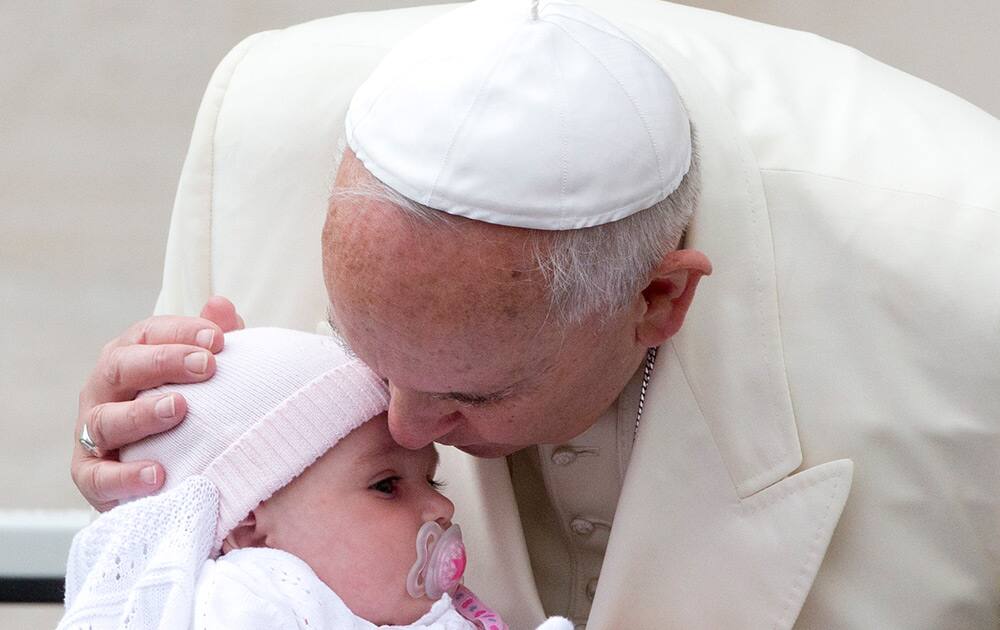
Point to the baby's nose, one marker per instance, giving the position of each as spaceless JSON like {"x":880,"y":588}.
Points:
{"x":439,"y":509}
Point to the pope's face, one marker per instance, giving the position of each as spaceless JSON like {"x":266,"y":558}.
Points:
{"x":457,"y":320}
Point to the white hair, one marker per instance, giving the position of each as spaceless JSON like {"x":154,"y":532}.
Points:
{"x":593,"y":271}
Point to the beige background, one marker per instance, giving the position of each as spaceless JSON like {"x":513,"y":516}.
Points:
{"x":96,"y":106}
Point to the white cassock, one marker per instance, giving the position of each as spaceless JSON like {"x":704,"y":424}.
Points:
{"x":851,"y":327}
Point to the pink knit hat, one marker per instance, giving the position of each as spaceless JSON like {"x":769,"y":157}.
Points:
{"x":278,"y":400}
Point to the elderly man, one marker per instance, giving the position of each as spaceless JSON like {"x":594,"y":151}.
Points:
{"x":503,"y":244}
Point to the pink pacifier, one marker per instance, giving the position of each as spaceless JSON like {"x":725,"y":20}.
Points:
{"x":440,"y":561}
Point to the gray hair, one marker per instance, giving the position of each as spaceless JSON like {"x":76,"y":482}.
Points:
{"x":593,"y":271}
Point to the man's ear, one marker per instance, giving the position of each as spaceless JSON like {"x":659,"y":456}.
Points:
{"x":669,"y":293}
{"x":246,"y":534}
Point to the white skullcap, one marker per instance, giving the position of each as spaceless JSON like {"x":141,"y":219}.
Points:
{"x":551,"y":120}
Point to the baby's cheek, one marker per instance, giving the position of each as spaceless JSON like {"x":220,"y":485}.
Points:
{"x":378,"y":594}
{"x":340,"y":562}
{"x":366,"y":559}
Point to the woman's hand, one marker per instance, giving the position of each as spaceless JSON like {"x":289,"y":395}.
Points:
{"x":153,"y":352}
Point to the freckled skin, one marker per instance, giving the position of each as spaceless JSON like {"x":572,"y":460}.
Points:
{"x":438,"y":309}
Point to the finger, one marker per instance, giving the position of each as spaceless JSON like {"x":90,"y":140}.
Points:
{"x":126,"y":370}
{"x":221,"y":311}
{"x":173,"y":329}
{"x":104,"y":482}
{"x":113,"y":425}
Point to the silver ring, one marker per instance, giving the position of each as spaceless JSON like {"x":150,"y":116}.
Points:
{"x":87,"y":442}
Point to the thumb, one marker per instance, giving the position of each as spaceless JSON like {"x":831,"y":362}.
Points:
{"x":221,"y":311}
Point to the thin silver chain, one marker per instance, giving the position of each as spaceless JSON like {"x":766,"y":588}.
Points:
{"x":647,"y":373}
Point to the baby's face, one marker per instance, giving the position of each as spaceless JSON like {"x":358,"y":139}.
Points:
{"x":353,"y":517}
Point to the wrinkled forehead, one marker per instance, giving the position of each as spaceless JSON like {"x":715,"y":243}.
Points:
{"x":412,"y":300}
{"x":459,"y":268}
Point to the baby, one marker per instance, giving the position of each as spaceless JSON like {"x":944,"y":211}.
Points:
{"x":287,"y":504}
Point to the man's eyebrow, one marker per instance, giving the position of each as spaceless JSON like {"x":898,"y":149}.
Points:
{"x":462,"y":397}
{"x":336,"y":334}
{"x":492,"y":397}
{"x":475,"y":399}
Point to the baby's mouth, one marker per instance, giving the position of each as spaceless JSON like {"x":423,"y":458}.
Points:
{"x":440,"y":561}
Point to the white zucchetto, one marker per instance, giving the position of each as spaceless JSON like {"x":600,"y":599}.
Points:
{"x":550,"y":120}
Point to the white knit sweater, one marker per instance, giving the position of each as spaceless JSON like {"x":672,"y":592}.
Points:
{"x":268,"y":588}
{"x":145,"y":566}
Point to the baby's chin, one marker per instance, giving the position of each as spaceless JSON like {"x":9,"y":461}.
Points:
{"x":385,"y":605}
{"x":384,"y":601}
{"x":403,"y":613}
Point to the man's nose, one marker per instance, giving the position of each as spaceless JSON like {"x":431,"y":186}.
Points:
{"x":416,"y":420}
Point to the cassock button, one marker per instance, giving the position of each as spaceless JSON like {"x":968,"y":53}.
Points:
{"x":591,"y":589}
{"x":563,"y":456}
{"x":581,"y":526}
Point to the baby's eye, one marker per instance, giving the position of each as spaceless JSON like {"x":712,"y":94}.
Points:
{"x":434,"y":483}
{"x":385,"y":486}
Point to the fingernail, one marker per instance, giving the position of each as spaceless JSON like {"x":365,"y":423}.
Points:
{"x":148,"y":475}
{"x":196,"y":362}
{"x":204,"y":338}
{"x":165,"y":407}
